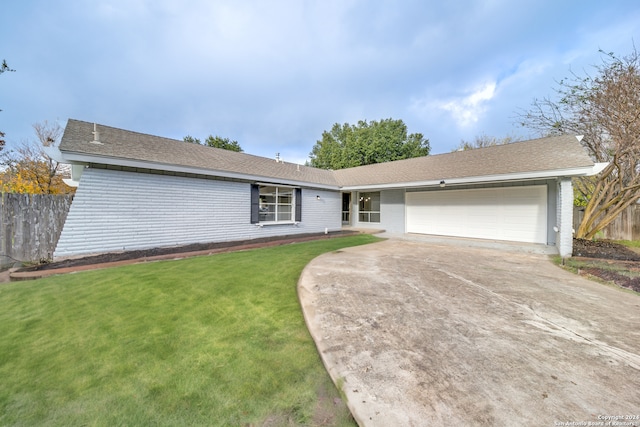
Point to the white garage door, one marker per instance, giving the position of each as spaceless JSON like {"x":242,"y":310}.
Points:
{"x":507,"y":213}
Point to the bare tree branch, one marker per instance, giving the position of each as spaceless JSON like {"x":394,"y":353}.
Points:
{"x":606,"y":110}
{"x":30,"y":170}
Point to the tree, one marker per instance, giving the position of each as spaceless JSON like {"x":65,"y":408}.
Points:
{"x":30,"y":170}
{"x":191,"y":139}
{"x":346,"y":145}
{"x":3,"y":67}
{"x":483,"y":140}
{"x":216,"y":142}
{"x":606,"y":110}
{"x":224,"y":143}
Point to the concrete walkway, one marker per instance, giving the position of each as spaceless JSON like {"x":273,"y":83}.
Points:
{"x":436,"y":334}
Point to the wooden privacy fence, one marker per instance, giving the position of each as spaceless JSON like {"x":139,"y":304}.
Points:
{"x":626,"y":226}
{"x":30,"y":225}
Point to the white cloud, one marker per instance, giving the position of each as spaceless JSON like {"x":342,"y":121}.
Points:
{"x":274,"y":75}
{"x":468,"y":109}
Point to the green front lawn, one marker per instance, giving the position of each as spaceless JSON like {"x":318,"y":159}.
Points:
{"x":214,"y":340}
{"x":629,"y":243}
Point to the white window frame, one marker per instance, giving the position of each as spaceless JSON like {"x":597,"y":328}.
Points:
{"x":276,"y":205}
{"x":368,"y":214}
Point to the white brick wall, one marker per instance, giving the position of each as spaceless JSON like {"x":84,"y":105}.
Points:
{"x":564,"y":223}
{"x":116,"y":210}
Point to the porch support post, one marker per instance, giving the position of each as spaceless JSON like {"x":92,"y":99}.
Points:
{"x":564,"y":222}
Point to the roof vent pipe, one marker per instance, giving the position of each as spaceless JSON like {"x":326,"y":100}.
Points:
{"x":96,"y":135}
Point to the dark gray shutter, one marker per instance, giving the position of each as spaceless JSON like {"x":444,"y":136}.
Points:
{"x":255,"y":203}
{"x":298,"y":204}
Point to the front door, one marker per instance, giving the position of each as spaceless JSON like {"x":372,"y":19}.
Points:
{"x":346,"y":208}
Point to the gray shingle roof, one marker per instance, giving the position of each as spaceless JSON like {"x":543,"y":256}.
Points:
{"x":124,"y":144}
{"x":544,"y":154}
{"x":539,"y":155}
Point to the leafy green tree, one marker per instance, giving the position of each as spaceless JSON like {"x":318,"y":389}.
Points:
{"x":191,"y":139}
{"x":366,"y":143}
{"x":605,"y":109}
{"x":483,"y":140}
{"x":216,"y":142}
{"x":224,"y":143}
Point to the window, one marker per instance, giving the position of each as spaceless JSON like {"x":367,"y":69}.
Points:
{"x":369,"y":207}
{"x":272,"y":204}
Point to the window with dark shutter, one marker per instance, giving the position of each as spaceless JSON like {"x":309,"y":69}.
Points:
{"x":255,"y":203}
{"x":298,"y":204}
{"x":275,"y":204}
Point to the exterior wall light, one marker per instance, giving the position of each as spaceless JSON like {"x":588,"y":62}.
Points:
{"x":317,"y":197}
{"x":442,"y":184}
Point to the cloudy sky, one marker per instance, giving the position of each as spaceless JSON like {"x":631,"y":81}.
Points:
{"x":274,"y":74}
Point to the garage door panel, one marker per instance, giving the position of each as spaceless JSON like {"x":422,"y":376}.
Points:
{"x":506,"y":213}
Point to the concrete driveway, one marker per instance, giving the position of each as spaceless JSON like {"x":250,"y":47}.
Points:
{"x":421,"y":334}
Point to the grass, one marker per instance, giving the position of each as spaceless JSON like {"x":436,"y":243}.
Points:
{"x":579,"y":266}
{"x":216,"y":340}
{"x":575,"y":265}
{"x":629,"y":243}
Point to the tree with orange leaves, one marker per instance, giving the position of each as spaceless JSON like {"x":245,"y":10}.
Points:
{"x":29,"y":170}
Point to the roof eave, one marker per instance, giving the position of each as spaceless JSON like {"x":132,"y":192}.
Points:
{"x":520,"y":176}
{"x":83,"y":158}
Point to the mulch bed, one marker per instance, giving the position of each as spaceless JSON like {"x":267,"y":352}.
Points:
{"x":603,"y":249}
{"x":616,"y":256}
{"x":177,"y":250}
